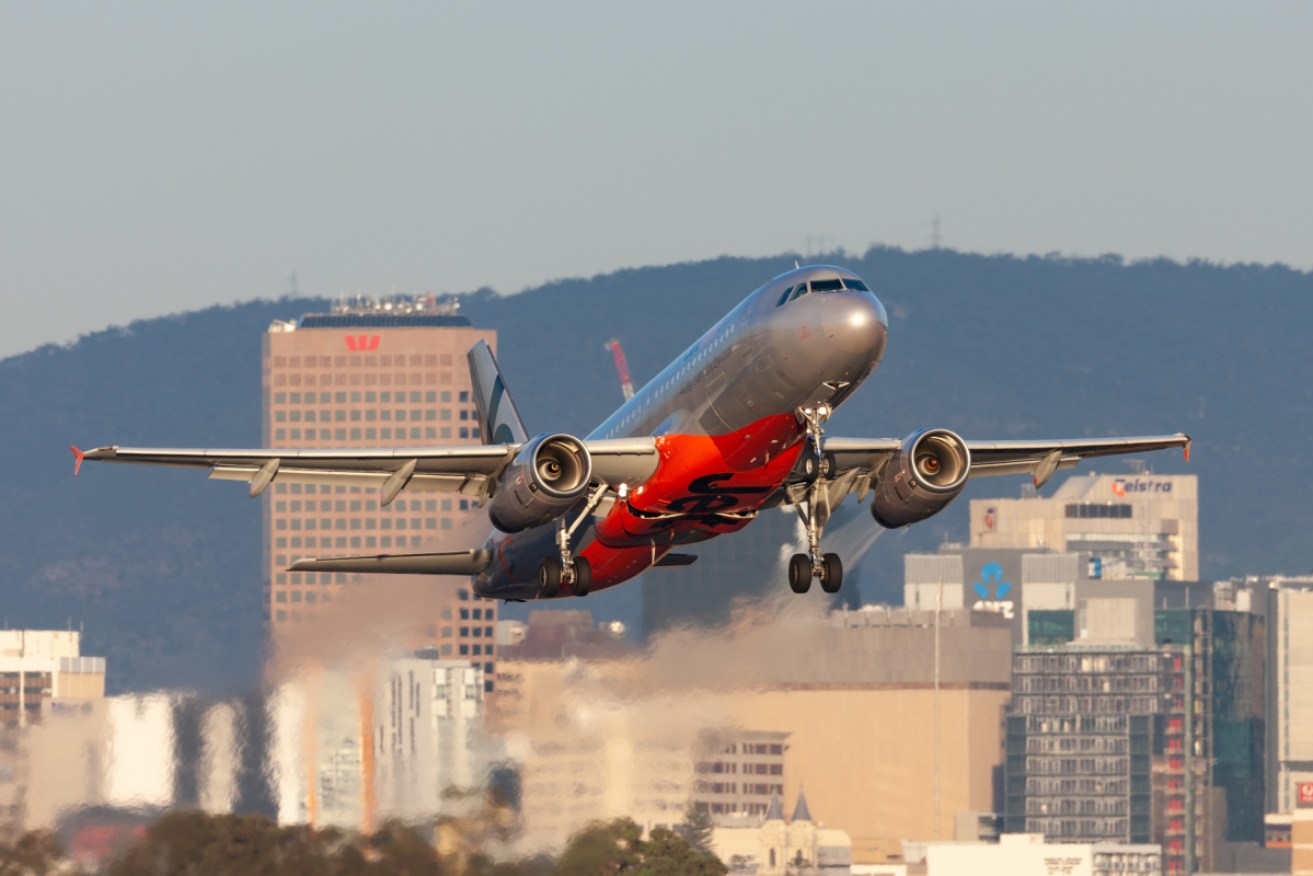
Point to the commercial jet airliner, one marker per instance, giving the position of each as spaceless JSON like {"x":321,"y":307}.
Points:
{"x":731,"y":428}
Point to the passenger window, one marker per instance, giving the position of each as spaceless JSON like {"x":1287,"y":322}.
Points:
{"x":799,"y":292}
{"x":784,"y":296}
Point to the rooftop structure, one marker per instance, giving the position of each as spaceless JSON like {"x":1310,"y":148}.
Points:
{"x":1134,"y":525}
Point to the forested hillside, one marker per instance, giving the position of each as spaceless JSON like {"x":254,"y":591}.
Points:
{"x":163,"y":568}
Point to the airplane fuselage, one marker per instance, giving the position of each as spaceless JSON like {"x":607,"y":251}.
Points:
{"x":728,"y":433}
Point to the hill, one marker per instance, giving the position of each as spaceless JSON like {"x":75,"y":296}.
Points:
{"x":163,"y":567}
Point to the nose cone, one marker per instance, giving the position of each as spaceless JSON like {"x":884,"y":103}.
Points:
{"x":855,"y":322}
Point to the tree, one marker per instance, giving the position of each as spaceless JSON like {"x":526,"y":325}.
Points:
{"x":602,"y":849}
{"x":666,"y":853}
{"x":606,"y":848}
{"x":697,"y":827}
{"x":34,"y":853}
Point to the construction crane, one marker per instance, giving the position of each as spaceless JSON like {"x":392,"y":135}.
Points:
{"x":621,"y":367}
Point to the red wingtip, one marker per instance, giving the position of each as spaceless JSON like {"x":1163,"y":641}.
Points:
{"x":1187,"y":452}
{"x":78,"y":456}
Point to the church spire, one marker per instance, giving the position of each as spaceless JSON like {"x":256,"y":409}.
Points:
{"x":800,"y":811}
{"x":776,"y":811}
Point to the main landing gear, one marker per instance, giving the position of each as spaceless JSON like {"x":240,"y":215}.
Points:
{"x":567,"y":570}
{"x":812,"y":499}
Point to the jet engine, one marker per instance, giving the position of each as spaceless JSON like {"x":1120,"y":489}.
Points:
{"x":928,"y":471}
{"x":547,"y":476}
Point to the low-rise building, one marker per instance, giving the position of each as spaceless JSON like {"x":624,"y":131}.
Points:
{"x":1023,"y":854}
{"x":776,"y":847}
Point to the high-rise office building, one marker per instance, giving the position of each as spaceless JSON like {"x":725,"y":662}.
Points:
{"x":1160,"y":739}
{"x":1289,"y":610}
{"x":1132,"y":526}
{"x":371,"y":374}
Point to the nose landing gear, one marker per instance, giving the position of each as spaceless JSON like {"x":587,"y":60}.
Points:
{"x":811,"y":498}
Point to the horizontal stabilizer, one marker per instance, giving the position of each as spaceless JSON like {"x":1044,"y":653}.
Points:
{"x":677,"y":560}
{"x":445,"y":563}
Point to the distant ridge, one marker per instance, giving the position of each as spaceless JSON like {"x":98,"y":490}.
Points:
{"x":163,"y":567}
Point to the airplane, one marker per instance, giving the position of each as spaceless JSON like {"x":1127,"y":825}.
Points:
{"x":732,"y":427}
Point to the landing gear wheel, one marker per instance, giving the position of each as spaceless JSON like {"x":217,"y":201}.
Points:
{"x":583,"y":577}
{"x":831,"y":573}
{"x":829,"y":465}
{"x":549,"y":578}
{"x":800,"y":573}
{"x":810,"y":467}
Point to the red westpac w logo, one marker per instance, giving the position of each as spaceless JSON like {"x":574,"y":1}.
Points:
{"x":361,"y":343}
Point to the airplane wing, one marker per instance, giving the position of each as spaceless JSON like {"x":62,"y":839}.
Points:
{"x":470,"y":562}
{"x":468,"y":469}
{"x":859,"y":461}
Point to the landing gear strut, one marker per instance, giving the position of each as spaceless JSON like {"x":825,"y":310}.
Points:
{"x":566,"y":569}
{"x":812,"y":499}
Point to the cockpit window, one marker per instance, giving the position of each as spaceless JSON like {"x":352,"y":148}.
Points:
{"x":827,"y":285}
{"x":799,"y":292}
{"x":784,"y":296}
{"x":855,"y":284}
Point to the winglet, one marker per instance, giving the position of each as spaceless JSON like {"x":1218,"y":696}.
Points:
{"x":1188,"y":442}
{"x":78,"y":456}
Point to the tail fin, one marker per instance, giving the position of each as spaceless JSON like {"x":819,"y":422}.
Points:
{"x":499,"y":421}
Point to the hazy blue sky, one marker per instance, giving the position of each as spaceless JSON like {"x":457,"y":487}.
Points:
{"x":160,"y":157}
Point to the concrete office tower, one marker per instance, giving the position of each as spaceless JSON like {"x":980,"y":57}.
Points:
{"x":1140,"y":525}
{"x":372,"y":374}
{"x":1289,"y":609}
{"x":43,"y":671}
{"x":43,"y":675}
{"x":430,"y":747}
{"x":738,"y":774}
{"x":351,"y":748}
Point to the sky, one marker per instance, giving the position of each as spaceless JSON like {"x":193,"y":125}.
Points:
{"x":158,"y":157}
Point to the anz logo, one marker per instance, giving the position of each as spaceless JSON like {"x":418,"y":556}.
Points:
{"x":993,"y":591}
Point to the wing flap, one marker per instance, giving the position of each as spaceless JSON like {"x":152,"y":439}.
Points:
{"x":470,"y":562}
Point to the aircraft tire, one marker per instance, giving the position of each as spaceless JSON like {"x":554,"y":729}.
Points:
{"x":829,"y":465}
{"x":831,"y":573}
{"x":549,"y":578}
{"x":800,"y":573}
{"x":811,"y":465}
{"x":583,"y":577}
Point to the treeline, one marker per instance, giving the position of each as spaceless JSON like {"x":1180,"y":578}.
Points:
{"x":200,"y":844}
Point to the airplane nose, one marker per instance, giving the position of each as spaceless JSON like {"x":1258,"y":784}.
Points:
{"x":855,"y":322}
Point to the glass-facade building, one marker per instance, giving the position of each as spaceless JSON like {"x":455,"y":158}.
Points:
{"x":1161,"y":742}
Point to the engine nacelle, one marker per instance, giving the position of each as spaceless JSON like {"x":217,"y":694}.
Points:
{"x":546,"y":478}
{"x":927,"y":473}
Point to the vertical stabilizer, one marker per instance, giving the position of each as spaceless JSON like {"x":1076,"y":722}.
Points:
{"x":499,"y":421}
